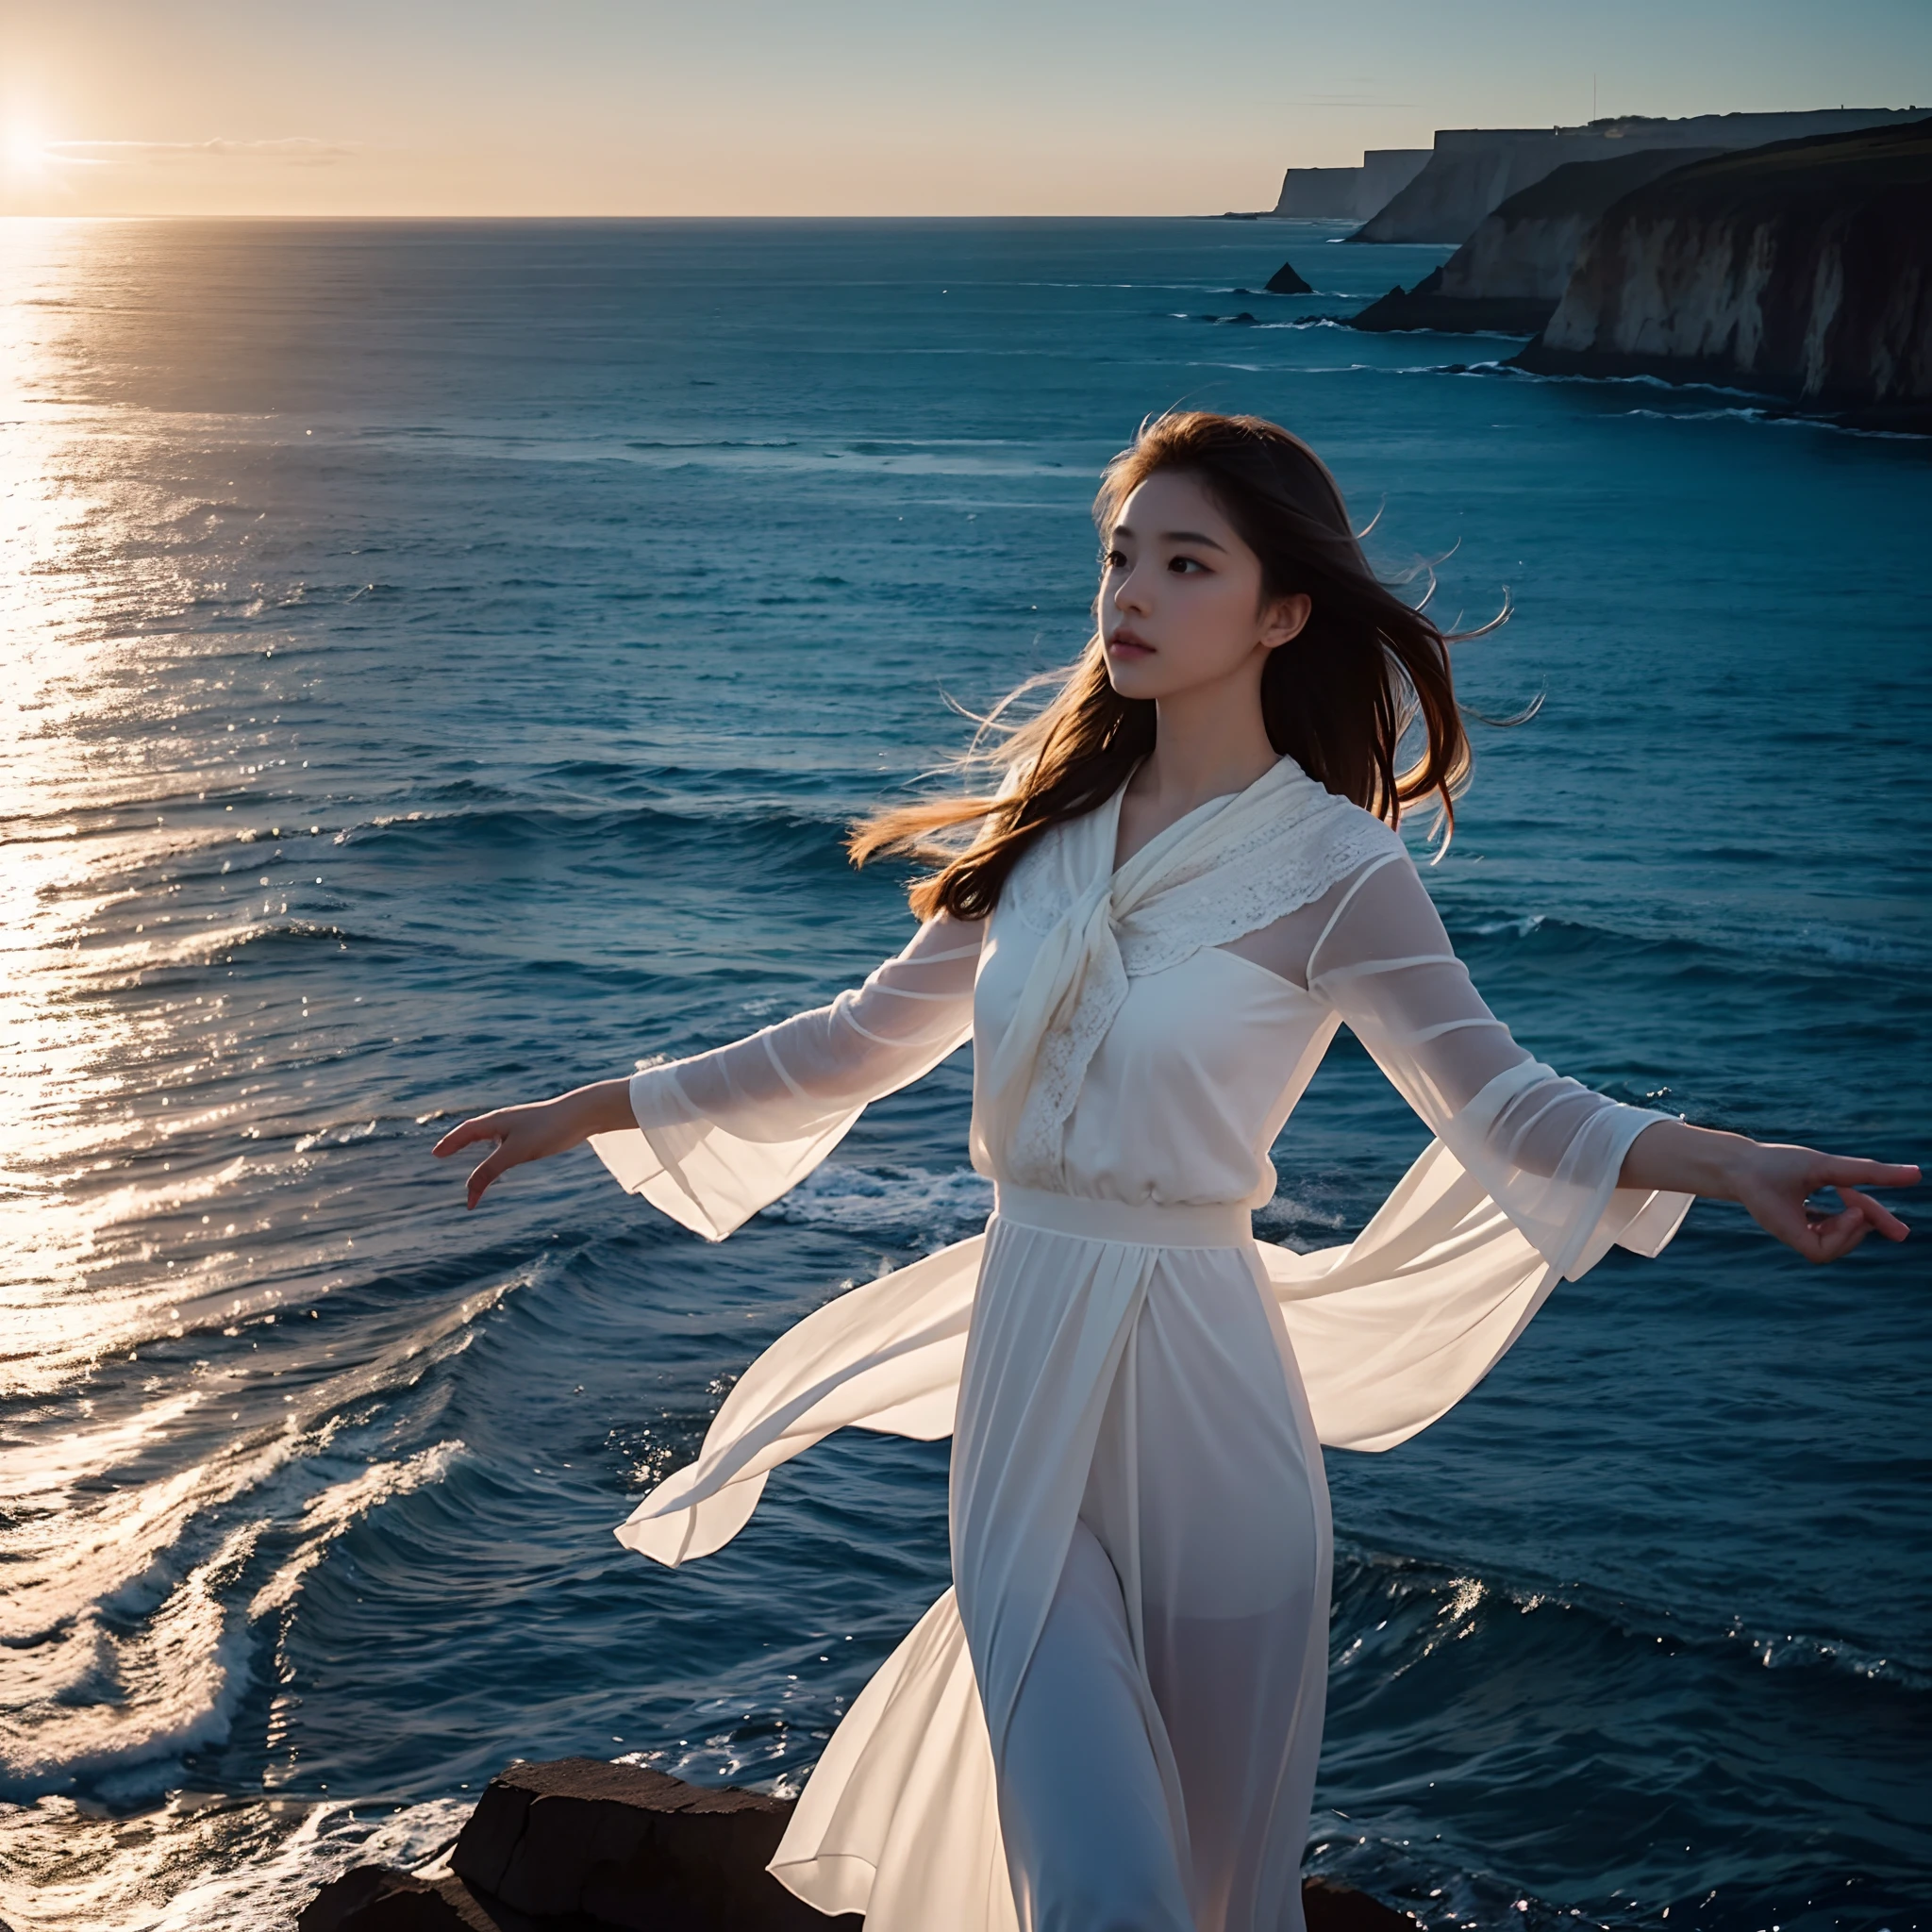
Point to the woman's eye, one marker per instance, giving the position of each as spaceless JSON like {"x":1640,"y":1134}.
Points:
{"x":1182,"y":565}
{"x":1112,"y":560}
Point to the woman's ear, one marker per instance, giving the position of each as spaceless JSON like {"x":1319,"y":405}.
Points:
{"x":1286,"y":618}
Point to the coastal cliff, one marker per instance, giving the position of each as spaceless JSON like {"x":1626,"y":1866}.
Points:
{"x":1802,"y":270}
{"x":1472,"y":171}
{"x":1349,"y":194}
{"x":1511,"y":273}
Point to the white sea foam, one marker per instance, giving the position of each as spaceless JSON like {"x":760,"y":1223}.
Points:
{"x":342,"y":1505}
{"x":327,"y":1842}
{"x":129,"y":1647}
{"x":893,"y":1201}
{"x":205,"y":1864}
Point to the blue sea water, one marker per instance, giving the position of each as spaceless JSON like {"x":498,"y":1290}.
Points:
{"x":441,"y":661}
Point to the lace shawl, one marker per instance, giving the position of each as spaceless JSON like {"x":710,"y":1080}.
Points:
{"x":1225,"y":870}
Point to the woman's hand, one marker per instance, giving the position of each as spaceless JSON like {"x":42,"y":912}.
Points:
{"x":540,"y":1129}
{"x":1773,"y":1183}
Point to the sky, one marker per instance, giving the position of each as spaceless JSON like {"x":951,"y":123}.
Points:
{"x":853,"y":107}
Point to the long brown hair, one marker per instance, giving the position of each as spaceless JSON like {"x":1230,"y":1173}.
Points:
{"x":1338,"y":699}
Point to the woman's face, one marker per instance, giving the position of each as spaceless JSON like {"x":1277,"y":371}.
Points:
{"x":1180,"y":595}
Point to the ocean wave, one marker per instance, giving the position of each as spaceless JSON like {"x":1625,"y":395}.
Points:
{"x":339,"y":1507}
{"x":1777,"y":418}
{"x":710,"y":442}
{"x":206,"y":1863}
{"x":329,"y":1840}
{"x":124,"y":1620}
{"x":891,"y":1203}
{"x":773,"y":831}
{"x":1800,"y":943}
{"x":1430,"y":1603}
{"x":129,"y":960}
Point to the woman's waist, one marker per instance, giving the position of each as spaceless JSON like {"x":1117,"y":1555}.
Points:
{"x":1138,"y":1223}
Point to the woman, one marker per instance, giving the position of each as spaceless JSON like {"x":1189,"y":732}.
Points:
{"x":1189,"y":879}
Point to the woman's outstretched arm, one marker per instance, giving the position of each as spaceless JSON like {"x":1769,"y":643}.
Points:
{"x":1771,"y":1182}
{"x":773,"y":1104}
{"x":1551,"y":1152}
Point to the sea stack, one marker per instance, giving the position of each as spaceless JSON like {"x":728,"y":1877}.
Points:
{"x":1284,"y":281}
{"x":1802,"y":270}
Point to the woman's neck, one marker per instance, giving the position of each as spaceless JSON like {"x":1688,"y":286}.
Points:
{"x":1208,"y":742}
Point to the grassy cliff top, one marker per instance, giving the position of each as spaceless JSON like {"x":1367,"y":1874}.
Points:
{"x":1820,"y":169}
{"x":1587,"y":188}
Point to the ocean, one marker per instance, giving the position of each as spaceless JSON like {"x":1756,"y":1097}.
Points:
{"x":441,"y":663}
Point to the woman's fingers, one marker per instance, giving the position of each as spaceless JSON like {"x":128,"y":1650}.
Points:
{"x":486,"y":1126}
{"x":1823,"y":1236}
{"x":489,"y":1170}
{"x":1834,"y":1172}
{"x":1827,"y":1237}
{"x":466,"y":1133}
{"x":1875,"y":1212}
{"x":521,"y":1133}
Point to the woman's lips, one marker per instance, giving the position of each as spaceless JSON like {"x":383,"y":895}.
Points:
{"x":1123,"y":643}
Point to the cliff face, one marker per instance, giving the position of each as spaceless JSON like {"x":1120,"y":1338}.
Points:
{"x":1472,"y":171}
{"x":1526,"y":249}
{"x":1349,"y":194}
{"x":1319,"y":194}
{"x":1511,"y":273}
{"x":1802,"y":270}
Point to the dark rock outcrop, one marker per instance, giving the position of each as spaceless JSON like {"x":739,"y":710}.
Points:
{"x":1802,"y":270}
{"x":579,"y":1845}
{"x":1426,"y":306}
{"x":375,"y":1898}
{"x":627,"y":1847}
{"x":1509,"y":275}
{"x":1284,"y":281}
{"x":1472,"y":171}
{"x":1331,"y":1907}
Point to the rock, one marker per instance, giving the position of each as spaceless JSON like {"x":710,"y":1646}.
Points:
{"x":1425,"y":307}
{"x":1331,"y":1907}
{"x":579,"y":1845}
{"x":1509,"y":276}
{"x":1802,"y":270}
{"x":632,"y":1848}
{"x":375,"y":1898}
{"x":1472,"y":171}
{"x":1284,"y":281}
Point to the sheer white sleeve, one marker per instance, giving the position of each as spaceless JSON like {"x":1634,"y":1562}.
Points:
{"x":1546,"y":1149}
{"x":722,"y":1134}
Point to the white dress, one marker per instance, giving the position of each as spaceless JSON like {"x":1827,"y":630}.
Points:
{"x":1112,"y":1722}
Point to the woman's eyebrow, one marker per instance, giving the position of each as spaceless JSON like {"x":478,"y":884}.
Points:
{"x":1178,"y":537}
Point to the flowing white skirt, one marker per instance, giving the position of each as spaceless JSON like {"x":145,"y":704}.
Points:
{"x":1114,"y":1716}
{"x":1134,"y":1655}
